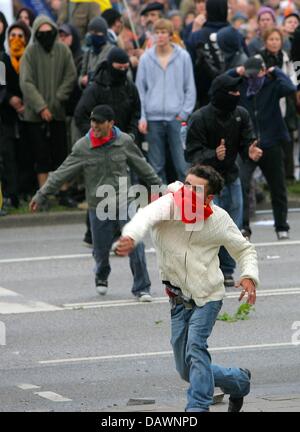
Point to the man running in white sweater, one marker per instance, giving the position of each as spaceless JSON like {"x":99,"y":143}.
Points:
{"x":187,"y":249}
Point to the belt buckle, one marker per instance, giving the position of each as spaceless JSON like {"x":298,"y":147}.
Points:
{"x":188,"y":305}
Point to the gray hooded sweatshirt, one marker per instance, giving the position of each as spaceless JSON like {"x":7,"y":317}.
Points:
{"x":46,"y":79}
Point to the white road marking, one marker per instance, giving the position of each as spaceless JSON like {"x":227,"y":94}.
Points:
{"x":53,"y":397}
{"x":160,"y":300}
{"x":270,"y":211}
{"x":29,"y":306}
{"x":26,"y":307}
{"x":163,"y":353}
{"x":264,"y":223}
{"x":28,"y":386}
{"x":7,"y":293}
{"x":44,"y":258}
{"x":275,"y":244}
{"x":148,"y":251}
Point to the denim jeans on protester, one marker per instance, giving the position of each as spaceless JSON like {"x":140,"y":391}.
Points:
{"x":104,"y":233}
{"x":231,"y":200}
{"x":190,"y":330}
{"x":160,"y":134}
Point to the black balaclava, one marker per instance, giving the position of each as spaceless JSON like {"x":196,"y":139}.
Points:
{"x":220,"y":97}
{"x":97,"y":41}
{"x":2,"y":35}
{"x":216,"y":10}
{"x":47,"y":38}
{"x":117,"y":55}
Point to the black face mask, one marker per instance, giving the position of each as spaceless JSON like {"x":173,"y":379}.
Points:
{"x":46,"y":39}
{"x":118,"y":76}
{"x":225,"y":101}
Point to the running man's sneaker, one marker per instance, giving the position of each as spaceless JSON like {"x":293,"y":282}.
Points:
{"x":101,"y":286}
{"x":144,"y":297}
{"x":228,"y":281}
{"x":235,"y":404}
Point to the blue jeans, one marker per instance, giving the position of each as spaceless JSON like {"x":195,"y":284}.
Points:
{"x":231,"y":200}
{"x":160,"y":134}
{"x":190,"y":330}
{"x":104,"y":233}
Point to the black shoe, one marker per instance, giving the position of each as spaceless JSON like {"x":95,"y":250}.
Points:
{"x":87,"y":239}
{"x":228,"y":281}
{"x":235,"y":404}
{"x":15,"y":202}
{"x":67,"y":201}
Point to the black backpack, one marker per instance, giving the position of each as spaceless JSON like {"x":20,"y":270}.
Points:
{"x":209,"y":58}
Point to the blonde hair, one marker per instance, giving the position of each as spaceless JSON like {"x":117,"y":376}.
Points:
{"x":270,"y":31}
{"x":164,"y":24}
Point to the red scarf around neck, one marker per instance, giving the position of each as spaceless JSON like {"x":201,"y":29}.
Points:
{"x":98,"y":142}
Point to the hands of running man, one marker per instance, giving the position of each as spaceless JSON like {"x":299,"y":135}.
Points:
{"x":249,"y":288}
{"x":125,"y":246}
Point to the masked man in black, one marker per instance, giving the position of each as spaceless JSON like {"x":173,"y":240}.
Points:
{"x":217,"y":133}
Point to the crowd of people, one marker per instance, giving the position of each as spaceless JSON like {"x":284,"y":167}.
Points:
{"x":203,"y":92}
{"x":154,"y":64}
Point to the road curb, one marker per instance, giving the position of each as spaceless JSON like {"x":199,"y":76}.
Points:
{"x":42,"y":219}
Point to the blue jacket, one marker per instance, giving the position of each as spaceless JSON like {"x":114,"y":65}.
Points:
{"x":264,"y":107}
{"x":168,"y":93}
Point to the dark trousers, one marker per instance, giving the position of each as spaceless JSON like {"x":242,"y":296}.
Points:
{"x":8,"y":156}
{"x":49,"y":143}
{"x":272,"y":166}
{"x":289,"y":158}
{"x":104,"y":233}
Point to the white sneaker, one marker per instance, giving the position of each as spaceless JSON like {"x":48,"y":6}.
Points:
{"x":144,"y":298}
{"x":101,"y":287}
{"x":102,"y":290}
{"x":283,"y":235}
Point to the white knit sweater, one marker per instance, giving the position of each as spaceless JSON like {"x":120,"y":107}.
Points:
{"x":188,"y":254}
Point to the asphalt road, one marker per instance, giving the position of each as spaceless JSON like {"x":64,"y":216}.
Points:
{"x":68,"y":349}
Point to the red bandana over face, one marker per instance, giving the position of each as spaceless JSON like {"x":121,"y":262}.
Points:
{"x":191,"y":206}
{"x":98,"y":142}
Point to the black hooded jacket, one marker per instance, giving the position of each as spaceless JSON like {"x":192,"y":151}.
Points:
{"x":3,"y":34}
{"x":216,"y":20}
{"x":7,"y":112}
{"x":216,"y":12}
{"x":207,"y":126}
{"x":123,"y":99}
